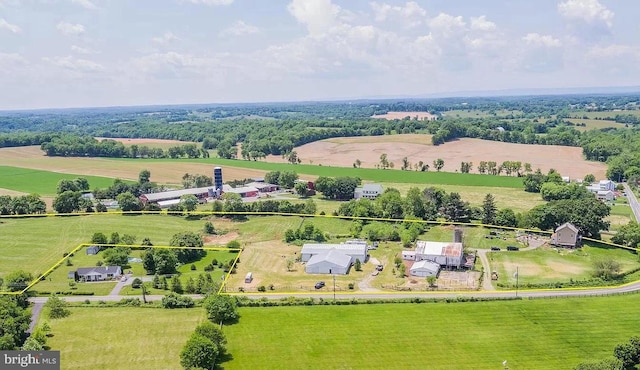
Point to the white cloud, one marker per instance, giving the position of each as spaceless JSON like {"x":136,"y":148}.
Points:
{"x":209,"y":2}
{"x":536,"y":39}
{"x":447,"y":25}
{"x":239,"y":28}
{"x":482,"y":24}
{"x":614,"y":51}
{"x":74,"y":64}
{"x":87,"y":4}
{"x":8,"y":26}
{"x":319,"y":16}
{"x":589,"y":11}
{"x":81,"y":50}
{"x":67,"y":28}
{"x":411,"y":14}
{"x":167,"y":38}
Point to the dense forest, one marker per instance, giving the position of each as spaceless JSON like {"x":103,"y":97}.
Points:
{"x":276,"y":128}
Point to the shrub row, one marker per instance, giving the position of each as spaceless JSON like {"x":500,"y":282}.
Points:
{"x":293,"y":301}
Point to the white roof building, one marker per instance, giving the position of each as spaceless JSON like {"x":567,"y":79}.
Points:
{"x":330,"y":262}
{"x":443,"y":253}
{"x":368,"y":191}
{"x":424,"y":268}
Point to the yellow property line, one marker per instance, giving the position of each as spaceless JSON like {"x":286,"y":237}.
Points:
{"x":82,"y":245}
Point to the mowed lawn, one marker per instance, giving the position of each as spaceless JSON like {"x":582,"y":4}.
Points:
{"x":536,"y":334}
{"x":529,"y":334}
{"x":35,"y":244}
{"x":42,"y":182}
{"x":117,"y":338}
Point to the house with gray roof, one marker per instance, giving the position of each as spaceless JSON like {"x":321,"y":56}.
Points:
{"x":368,"y":191}
{"x":333,"y":258}
{"x":566,"y":235}
{"x":98,"y":273}
{"x":355,"y":250}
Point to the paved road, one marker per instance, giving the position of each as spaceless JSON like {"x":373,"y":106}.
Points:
{"x":328,"y":294}
{"x":35,"y":313}
{"x":633,"y":202}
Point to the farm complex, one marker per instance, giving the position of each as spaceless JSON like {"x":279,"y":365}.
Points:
{"x":341,"y":230}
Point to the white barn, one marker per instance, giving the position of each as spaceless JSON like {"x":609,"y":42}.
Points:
{"x":330,"y":262}
{"x":351,"y":249}
{"x":424,"y":268}
{"x":444,"y":254}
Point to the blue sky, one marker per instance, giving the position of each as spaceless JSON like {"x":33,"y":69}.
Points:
{"x":76,"y":53}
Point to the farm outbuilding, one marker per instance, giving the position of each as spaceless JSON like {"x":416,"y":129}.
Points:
{"x":330,"y":262}
{"x":442,"y":253}
{"x":424,"y":268}
{"x":352,"y":249}
{"x":566,"y":235}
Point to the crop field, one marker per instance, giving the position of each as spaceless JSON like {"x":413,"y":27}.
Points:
{"x":136,"y":338}
{"x":476,"y":113}
{"x":163,"y":171}
{"x":424,"y":139}
{"x":566,"y":160}
{"x":521,"y":332}
{"x":41,"y":182}
{"x":545,"y":264}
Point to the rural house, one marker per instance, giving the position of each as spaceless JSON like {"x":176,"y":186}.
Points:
{"x":368,"y":191}
{"x":566,"y":235}
{"x":424,"y":268}
{"x":606,"y":195}
{"x":98,"y":273}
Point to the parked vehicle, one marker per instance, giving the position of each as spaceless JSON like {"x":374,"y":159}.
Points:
{"x":379,"y":267}
{"x":495,"y":248}
{"x":319,"y":284}
{"x":512,"y":248}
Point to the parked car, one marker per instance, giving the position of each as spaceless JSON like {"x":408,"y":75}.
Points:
{"x":512,"y":248}
{"x":319,"y":284}
{"x":495,"y":248}
{"x":379,"y":267}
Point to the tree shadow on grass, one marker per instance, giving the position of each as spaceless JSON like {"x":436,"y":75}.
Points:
{"x":224,"y":357}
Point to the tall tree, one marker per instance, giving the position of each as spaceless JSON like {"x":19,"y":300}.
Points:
{"x":438,"y":164}
{"x":489,"y":210}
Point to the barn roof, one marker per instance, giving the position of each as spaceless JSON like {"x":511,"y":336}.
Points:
{"x":333,"y":257}
{"x":439,"y":248}
{"x":425,"y":265}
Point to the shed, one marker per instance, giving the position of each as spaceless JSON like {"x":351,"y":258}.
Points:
{"x":409,"y":255}
{"x":93,"y":250}
{"x":424,"y":268}
{"x":566,"y":235}
{"x":331,"y":262}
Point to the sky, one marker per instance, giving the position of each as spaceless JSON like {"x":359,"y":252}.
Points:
{"x":82,"y":53}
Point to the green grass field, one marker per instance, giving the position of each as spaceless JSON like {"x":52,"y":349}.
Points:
{"x":135,"y":338}
{"x":545,"y":265}
{"x":594,"y":124}
{"x":529,"y":334}
{"x":35,"y":244}
{"x":42,"y":182}
{"x":370,"y":174}
{"x":605,"y":114}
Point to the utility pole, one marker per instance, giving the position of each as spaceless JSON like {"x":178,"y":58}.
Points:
{"x":517,"y":278}
{"x":334,"y":287}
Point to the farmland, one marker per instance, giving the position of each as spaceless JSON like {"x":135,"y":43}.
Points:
{"x":343,"y":153}
{"x":522,"y":332}
{"x":41,"y":182}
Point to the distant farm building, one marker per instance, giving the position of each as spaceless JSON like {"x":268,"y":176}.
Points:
{"x":424,"y":268}
{"x":263,"y":187}
{"x":566,"y":235}
{"x":93,"y":250}
{"x":368,"y":191}
{"x":333,"y":258}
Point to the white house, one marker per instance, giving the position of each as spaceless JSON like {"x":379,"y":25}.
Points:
{"x":351,"y":249}
{"x":606,"y":195}
{"x":368,"y":191}
{"x":329,"y":262}
{"x":424,"y":268}
{"x":98,"y":273}
{"x":444,"y":254}
{"x":607,"y":185}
